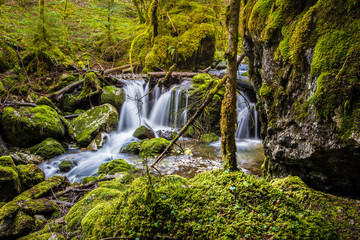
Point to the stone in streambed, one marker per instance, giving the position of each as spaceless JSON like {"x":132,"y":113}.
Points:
{"x":143,"y":132}
{"x":98,"y":142}
{"x":48,"y":148}
{"x":153,"y":147}
{"x":133,"y":148}
{"x":66,"y":166}
{"x":22,"y":158}
{"x":115,"y":166}
{"x":102,"y":118}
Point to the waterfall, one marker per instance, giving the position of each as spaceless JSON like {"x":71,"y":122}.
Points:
{"x":247,"y":118}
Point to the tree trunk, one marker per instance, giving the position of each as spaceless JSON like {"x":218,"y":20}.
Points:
{"x":139,"y":12}
{"x":154,"y":20}
{"x":228,"y":108}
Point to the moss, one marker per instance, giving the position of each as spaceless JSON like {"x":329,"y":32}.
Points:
{"x":114,"y":96}
{"x":69,"y":103}
{"x":259,"y":14}
{"x":65,"y":80}
{"x":91,"y":85}
{"x":48,"y":148}
{"x":47,"y":102}
{"x":26,"y":126}
{"x":143,"y":132}
{"x":214,"y":205}
{"x":102,"y":118}
{"x":153,"y":147}
{"x":30,"y":175}
{"x":9,"y":183}
{"x":115,"y":166}
{"x":6,"y":161}
{"x":65,"y":166}
{"x":133,"y":148}
{"x":8,"y":57}
{"x":209,"y":137}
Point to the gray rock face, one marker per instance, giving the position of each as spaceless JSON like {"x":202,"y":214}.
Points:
{"x":298,"y":139}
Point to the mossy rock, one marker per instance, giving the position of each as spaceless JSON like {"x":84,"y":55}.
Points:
{"x":153,"y":147}
{"x":102,"y":118}
{"x":7,"y":161}
{"x":27,"y":126}
{"x":133,"y":148}
{"x":44,"y":236}
{"x":48,"y":148}
{"x":209,"y":137}
{"x":9,"y":183}
{"x":143,"y":132}
{"x":91,"y":85}
{"x":69,"y":103}
{"x":22,"y":158}
{"x":24,"y":219}
{"x":65,"y":80}
{"x":47,"y":102}
{"x":29,"y":175}
{"x":98,"y":142}
{"x":114,"y":96}
{"x":115,"y":166}
{"x":8,"y":57}
{"x":66,"y":166}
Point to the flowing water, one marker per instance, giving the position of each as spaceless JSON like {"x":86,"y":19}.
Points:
{"x":163,"y":110}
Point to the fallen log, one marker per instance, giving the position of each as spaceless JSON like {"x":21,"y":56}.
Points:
{"x":174,"y":74}
{"x":208,"y":99}
{"x":117,"y":69}
{"x":56,"y":96}
{"x":21,"y":104}
{"x":71,"y":116}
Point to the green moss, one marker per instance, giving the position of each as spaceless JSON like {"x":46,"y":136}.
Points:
{"x":209,"y":137}
{"x":26,"y":126}
{"x":115,"y":166}
{"x":143,"y":132}
{"x":69,"y":103}
{"x":8,"y":57}
{"x":153,"y":147}
{"x":9,"y":183}
{"x":259,"y":14}
{"x":6,"y":161}
{"x":48,"y":148}
{"x":214,"y":205}
{"x":91,"y":85}
{"x":133,"y":148}
{"x":114,"y":96}
{"x":161,"y":55}
{"x":30,"y":175}
{"x":65,"y":166}
{"x":45,"y":101}
{"x":65,"y":80}
{"x":102,"y":118}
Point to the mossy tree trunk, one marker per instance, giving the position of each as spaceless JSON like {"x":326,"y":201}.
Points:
{"x":228,"y":108}
{"x":154,"y":19}
{"x":138,"y":11}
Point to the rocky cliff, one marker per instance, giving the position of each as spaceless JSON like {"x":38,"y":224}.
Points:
{"x":304,"y":61}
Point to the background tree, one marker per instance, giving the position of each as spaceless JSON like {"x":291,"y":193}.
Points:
{"x":228,"y":109}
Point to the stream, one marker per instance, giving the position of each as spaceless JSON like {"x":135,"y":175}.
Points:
{"x":165,"y":110}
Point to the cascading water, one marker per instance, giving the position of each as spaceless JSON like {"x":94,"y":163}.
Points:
{"x":247,"y":118}
{"x":136,"y":111}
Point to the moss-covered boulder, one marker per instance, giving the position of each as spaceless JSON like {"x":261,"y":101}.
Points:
{"x":69,"y":103}
{"x":27,"y":126}
{"x":46,"y":101}
{"x":9,"y":179}
{"x":102,"y":118}
{"x":66,"y":166}
{"x":115,"y":166}
{"x":153,"y":147}
{"x":114,"y":96}
{"x":98,"y":142}
{"x":48,"y":148}
{"x":29,"y":175}
{"x":133,"y":148}
{"x":209,"y":137}
{"x":8,"y":57}
{"x":143,"y":132}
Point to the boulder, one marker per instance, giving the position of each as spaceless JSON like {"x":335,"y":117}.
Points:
{"x":168,"y":135}
{"x":133,"y":148}
{"x":25,"y":158}
{"x":153,"y":147}
{"x":114,"y":96}
{"x":66,"y":166}
{"x":115,"y":166}
{"x":48,"y":148}
{"x":143,"y":132}
{"x":9,"y":179}
{"x":27,"y":126}
{"x":98,"y":142}
{"x":47,"y":102}
{"x":29,"y":175}
{"x":102,"y":118}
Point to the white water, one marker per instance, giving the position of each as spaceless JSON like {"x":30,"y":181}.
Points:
{"x":136,"y":111}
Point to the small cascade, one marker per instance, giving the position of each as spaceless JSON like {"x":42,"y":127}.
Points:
{"x":247,"y":119}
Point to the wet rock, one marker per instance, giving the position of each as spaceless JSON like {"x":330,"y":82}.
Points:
{"x":114,"y":96}
{"x":143,"y":132}
{"x":133,"y":148}
{"x":29,"y":175}
{"x":9,"y":179}
{"x":98,"y":142}
{"x":115,"y":166}
{"x":209,"y":137}
{"x":3,"y":148}
{"x":168,"y":135}
{"x":221,"y":65}
{"x":102,"y":118}
{"x":48,"y":148}
{"x":27,"y":126}
{"x":22,"y":158}
{"x":153,"y":147}
{"x":66,"y":166}
{"x":69,"y":103}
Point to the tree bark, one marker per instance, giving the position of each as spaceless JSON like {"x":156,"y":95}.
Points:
{"x":154,"y":19}
{"x":228,"y":108}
